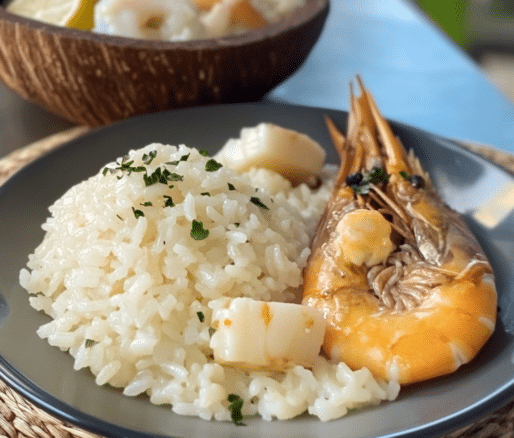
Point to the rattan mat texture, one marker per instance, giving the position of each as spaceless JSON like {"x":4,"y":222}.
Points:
{"x":21,"y":419}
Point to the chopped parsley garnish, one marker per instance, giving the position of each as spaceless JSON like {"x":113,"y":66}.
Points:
{"x":173,"y":176}
{"x":212,"y":330}
{"x":161,"y":176}
{"x":119,"y":217}
{"x":201,"y":316}
{"x":198,"y":232}
{"x":182,"y":158}
{"x":212,"y":165}
{"x":127,"y":166}
{"x":153,"y":178}
{"x":148,"y":158}
{"x":258,"y":202}
{"x":231,"y":186}
{"x":203,"y":152}
{"x":146,"y":204}
{"x":205,"y":194}
{"x":108,"y":170}
{"x":137,"y":213}
{"x":361,"y":183}
{"x":89,"y":343}
{"x":236,"y":404}
{"x":169,"y":202}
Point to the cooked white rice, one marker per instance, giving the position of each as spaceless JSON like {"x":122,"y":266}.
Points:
{"x":125,"y":292}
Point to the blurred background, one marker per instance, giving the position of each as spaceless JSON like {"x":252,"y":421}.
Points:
{"x":484,"y":29}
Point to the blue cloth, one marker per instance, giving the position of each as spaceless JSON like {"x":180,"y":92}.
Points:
{"x":415,"y":72}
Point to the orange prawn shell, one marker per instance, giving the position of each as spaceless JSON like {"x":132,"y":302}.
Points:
{"x":455,"y":317}
{"x":446,"y":330}
{"x":413,"y":345}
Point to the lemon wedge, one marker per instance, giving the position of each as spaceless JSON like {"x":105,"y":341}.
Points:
{"x":68,"y":13}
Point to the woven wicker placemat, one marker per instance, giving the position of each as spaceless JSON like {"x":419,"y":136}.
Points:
{"x":21,"y":419}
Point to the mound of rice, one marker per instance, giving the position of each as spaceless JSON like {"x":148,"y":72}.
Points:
{"x":135,"y":258}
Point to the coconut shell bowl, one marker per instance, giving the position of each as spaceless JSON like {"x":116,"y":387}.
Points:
{"x":94,"y":79}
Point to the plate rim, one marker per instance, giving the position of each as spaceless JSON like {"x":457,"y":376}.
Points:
{"x":28,"y":389}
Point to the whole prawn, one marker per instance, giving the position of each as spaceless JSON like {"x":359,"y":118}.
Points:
{"x":403,"y":284}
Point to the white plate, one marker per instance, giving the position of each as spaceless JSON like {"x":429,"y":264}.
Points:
{"x":45,"y":375}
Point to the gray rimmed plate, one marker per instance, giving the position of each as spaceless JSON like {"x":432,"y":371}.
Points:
{"x":45,"y":375}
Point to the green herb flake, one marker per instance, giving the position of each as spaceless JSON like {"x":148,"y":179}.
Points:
{"x":137,"y":213}
{"x":205,"y":194}
{"x":405,"y":174}
{"x":258,"y":202}
{"x":235,"y":407}
{"x":148,"y":158}
{"x":198,"y":232}
{"x":126,"y":165}
{"x":119,"y":217}
{"x":169,"y":201}
{"x":146,"y":204}
{"x":203,"y":152}
{"x":182,"y":158}
{"x":174,"y":177}
{"x":212,"y":165}
{"x":212,"y":330}
{"x":231,"y":186}
{"x":153,"y":178}
{"x":201,"y":316}
{"x":161,"y":176}
{"x":104,"y":172}
{"x":89,"y":343}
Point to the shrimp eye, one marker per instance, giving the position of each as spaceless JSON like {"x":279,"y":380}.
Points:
{"x":417,"y":181}
{"x":354,"y":179}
